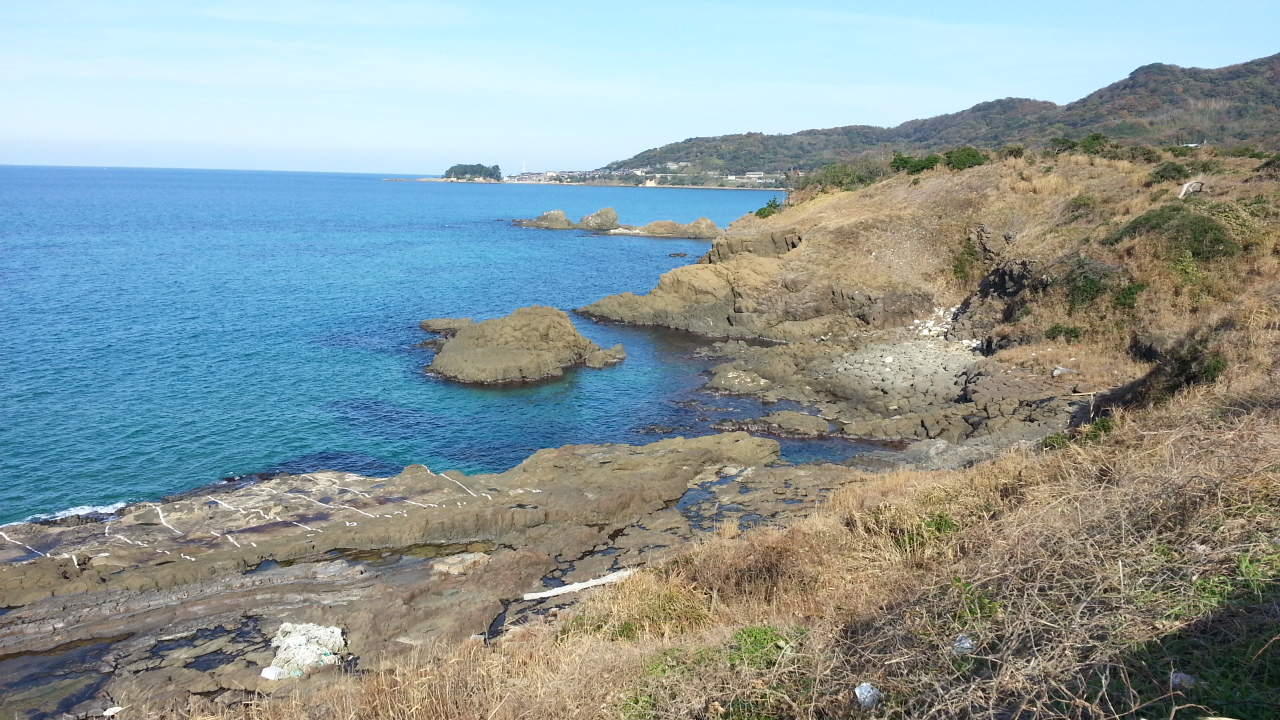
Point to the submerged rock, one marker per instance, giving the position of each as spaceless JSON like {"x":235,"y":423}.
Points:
{"x":529,"y":344}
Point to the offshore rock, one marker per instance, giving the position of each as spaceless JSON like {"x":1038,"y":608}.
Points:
{"x":700,"y":229}
{"x":604,"y":358}
{"x":601,"y":220}
{"x":550,"y":220}
{"x":529,"y":344}
{"x":605,"y":220}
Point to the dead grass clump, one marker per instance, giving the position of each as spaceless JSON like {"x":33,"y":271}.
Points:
{"x":1117,"y":546}
{"x":649,"y":605}
{"x":758,"y":571}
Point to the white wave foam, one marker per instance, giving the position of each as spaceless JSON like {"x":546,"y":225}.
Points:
{"x":79,"y":510}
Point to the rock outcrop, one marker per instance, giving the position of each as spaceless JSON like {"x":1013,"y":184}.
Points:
{"x":550,"y":220}
{"x":700,"y":229}
{"x":604,"y":358}
{"x":529,"y":344}
{"x":605,"y":220}
{"x":601,"y":220}
{"x":168,"y":600}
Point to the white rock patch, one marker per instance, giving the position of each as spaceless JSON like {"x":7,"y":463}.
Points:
{"x":303,"y":647}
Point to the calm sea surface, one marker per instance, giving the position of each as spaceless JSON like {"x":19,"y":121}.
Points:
{"x":162,"y":329}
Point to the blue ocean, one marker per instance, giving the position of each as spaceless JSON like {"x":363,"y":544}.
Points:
{"x":163,"y":329}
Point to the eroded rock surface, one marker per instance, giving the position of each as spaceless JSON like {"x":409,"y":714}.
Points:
{"x":172,"y":599}
{"x":529,"y":344}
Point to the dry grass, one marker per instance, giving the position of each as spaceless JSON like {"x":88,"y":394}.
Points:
{"x":1083,"y":576}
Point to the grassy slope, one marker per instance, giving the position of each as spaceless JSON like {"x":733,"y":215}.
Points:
{"x":1085,"y":575}
{"x":1157,"y":104}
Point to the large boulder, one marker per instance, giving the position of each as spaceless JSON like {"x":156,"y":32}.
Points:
{"x":602,"y":220}
{"x":529,"y":344}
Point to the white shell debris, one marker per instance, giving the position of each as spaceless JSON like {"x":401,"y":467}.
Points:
{"x":302,"y":647}
{"x":937,"y":324}
{"x":963,"y":645}
{"x":112,"y":711}
{"x":868,"y":696}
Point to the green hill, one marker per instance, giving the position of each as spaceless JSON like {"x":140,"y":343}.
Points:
{"x":1157,"y":104}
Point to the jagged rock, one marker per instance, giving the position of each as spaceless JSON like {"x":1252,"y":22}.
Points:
{"x":601,"y":220}
{"x":529,"y":344}
{"x":550,"y":220}
{"x":770,"y":244}
{"x":603,"y":358}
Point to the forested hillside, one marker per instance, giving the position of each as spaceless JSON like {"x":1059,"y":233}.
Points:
{"x":1157,"y":104}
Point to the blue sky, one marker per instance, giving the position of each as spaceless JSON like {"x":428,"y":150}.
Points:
{"x":412,"y":87}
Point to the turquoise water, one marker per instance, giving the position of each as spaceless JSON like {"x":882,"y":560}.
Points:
{"x":162,"y":329}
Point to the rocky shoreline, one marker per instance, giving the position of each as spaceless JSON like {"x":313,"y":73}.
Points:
{"x":178,"y":600}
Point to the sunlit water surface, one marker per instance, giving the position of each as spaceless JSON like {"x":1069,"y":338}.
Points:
{"x":162,"y":329}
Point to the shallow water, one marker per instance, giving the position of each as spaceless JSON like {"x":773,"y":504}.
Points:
{"x":161,"y":329}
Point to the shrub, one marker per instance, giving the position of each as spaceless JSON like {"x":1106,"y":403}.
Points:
{"x":1270,"y":168}
{"x":965,"y":157}
{"x":1069,"y":333}
{"x":1082,"y":202}
{"x":845,"y":176}
{"x":914,"y":165}
{"x":1180,"y":151}
{"x":1204,"y":238}
{"x":1241,"y":151}
{"x":1204,"y":166}
{"x":1094,"y":144}
{"x":1100,"y":427}
{"x":1167,"y":171}
{"x":1126,"y":298}
{"x":773,"y":207}
{"x":1083,"y":291}
{"x":1085,"y":284}
{"x":965,"y":260}
{"x":1012,"y":151}
{"x":1132,"y":153}
{"x":1061,"y":145}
